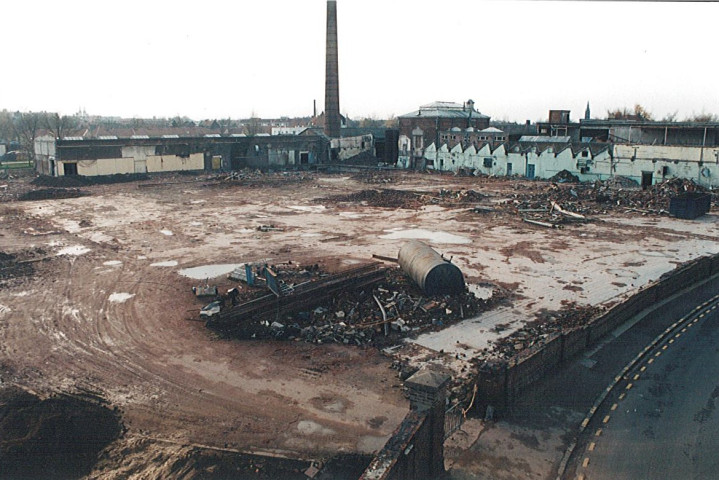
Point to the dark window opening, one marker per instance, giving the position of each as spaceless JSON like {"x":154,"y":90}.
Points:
{"x":488,"y":162}
{"x":70,"y":168}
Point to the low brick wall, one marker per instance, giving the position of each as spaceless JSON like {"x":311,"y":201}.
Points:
{"x":500,"y":382}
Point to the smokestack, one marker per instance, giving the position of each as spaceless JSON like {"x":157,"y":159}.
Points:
{"x":332,"y":84}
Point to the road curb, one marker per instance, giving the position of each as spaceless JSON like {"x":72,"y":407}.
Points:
{"x":632,"y":363}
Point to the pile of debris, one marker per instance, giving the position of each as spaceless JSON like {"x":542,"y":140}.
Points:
{"x":56,"y":437}
{"x":390,"y":198}
{"x":380,"y":314}
{"x":546,"y":324}
{"x":565,"y":176}
{"x":383,"y":198}
{"x":19,"y":265}
{"x":375,"y":178}
{"x":68,"y":181}
{"x":52,"y":194}
{"x":258,"y":178}
{"x":557,"y":204}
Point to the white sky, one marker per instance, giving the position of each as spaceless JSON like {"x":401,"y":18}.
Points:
{"x":229,"y":58}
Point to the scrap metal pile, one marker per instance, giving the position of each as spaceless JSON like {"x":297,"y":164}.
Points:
{"x":558,"y":203}
{"x":547,"y":323}
{"x":378,"y":313}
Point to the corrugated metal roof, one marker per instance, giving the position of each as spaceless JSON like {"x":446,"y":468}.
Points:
{"x":170,"y":136}
{"x":139,"y":137}
{"x":212,"y":135}
{"x":72,"y":138}
{"x":107,"y":137}
{"x":544,"y":139}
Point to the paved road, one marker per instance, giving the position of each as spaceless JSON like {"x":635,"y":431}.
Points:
{"x":560,"y":401}
{"x":662,"y":423}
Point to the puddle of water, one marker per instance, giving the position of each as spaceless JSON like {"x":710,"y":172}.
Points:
{"x":308,"y":427}
{"x":419,"y":233}
{"x":333,"y":179}
{"x":196,"y":224}
{"x":208,"y":271}
{"x":309,"y":208}
{"x":112,"y":262}
{"x":167,"y":232}
{"x":167,"y":263}
{"x":652,"y":254}
{"x":73,"y":250}
{"x":480,"y":291}
{"x":120,"y":297}
{"x":351,"y":215}
{"x":142,"y":257}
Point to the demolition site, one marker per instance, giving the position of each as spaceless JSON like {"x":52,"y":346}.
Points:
{"x":309,"y":324}
{"x":335,"y":304}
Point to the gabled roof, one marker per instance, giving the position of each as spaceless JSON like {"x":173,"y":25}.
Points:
{"x":491,"y":130}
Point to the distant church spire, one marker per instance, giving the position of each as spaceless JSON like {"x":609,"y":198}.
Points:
{"x":587,"y":114}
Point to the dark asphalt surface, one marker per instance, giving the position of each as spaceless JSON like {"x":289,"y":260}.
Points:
{"x":576,"y":385}
{"x":665,"y":425}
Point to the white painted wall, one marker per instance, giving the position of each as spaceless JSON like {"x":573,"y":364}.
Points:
{"x":174,"y":163}
{"x":624,"y":160}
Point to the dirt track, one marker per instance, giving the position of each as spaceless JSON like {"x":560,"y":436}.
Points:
{"x":99,"y":314}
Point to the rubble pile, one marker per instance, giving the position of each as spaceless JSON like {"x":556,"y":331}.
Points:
{"x":57,"y":437}
{"x":375,"y":178}
{"x":52,"y":194}
{"x":547,"y":323}
{"x":390,"y":198}
{"x":384,"y":198}
{"x":536,"y":201}
{"x":379,"y":316}
{"x":68,"y":181}
{"x":258,"y":178}
{"x":15,"y":266}
{"x":565,"y":176}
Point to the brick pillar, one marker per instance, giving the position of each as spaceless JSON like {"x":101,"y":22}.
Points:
{"x":427,"y":392}
{"x":332,"y":83}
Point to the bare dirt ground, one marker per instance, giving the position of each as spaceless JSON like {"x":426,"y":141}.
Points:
{"x":103,"y":308}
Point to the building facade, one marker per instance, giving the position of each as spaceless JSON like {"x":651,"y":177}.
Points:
{"x":422,"y":128}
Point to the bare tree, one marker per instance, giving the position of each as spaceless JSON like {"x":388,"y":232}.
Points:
{"x":27,"y":125}
{"x":254,"y":125}
{"x":702,"y":117}
{"x":7,"y":130}
{"x":638,"y":113}
{"x":670,"y":117}
{"x":61,"y":125}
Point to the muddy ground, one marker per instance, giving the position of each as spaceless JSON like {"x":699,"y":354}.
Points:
{"x":92,"y":300}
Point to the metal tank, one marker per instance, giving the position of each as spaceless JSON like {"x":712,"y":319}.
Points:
{"x":433,"y":274}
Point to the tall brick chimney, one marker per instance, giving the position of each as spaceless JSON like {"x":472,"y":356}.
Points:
{"x":332,"y":83}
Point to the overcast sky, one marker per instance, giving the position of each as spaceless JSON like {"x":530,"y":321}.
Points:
{"x":218,"y":59}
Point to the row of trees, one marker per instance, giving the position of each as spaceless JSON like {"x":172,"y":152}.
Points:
{"x":24,"y":127}
{"x":641,"y":113}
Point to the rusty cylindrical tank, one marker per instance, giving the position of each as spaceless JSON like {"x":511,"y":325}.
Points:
{"x":433,"y":274}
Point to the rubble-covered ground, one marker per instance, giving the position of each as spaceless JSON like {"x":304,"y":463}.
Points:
{"x":95,"y":295}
